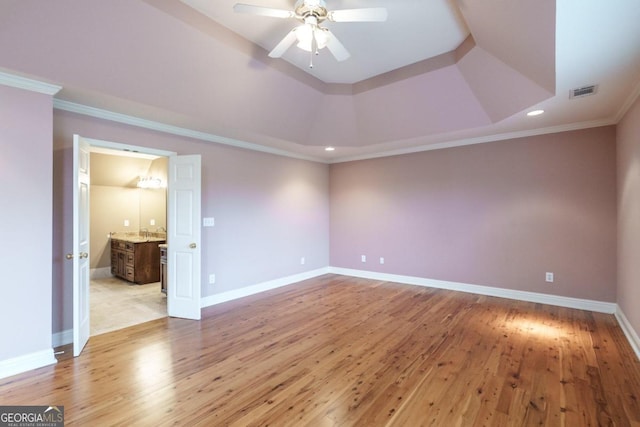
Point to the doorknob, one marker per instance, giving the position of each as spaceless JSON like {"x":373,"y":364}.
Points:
{"x":192,"y":246}
{"x":81,"y":255}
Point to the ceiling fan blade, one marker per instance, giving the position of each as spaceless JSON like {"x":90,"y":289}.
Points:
{"x":284,"y":44}
{"x":335,"y":47}
{"x":372,"y":14}
{"x":263,"y":11}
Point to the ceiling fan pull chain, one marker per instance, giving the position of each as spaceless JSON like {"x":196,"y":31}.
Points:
{"x":314,"y":45}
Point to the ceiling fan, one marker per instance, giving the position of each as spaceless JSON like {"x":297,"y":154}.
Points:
{"x":310,"y":35}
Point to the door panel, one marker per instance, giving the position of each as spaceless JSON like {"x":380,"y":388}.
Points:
{"x":80,"y":254}
{"x":183,"y":239}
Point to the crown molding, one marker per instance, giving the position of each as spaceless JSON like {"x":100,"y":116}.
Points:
{"x":631,"y":99}
{"x":208,"y":137}
{"x":99,"y":113}
{"x":478,"y":140}
{"x":25,"y":83}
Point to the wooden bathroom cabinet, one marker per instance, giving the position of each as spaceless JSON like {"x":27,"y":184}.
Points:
{"x":136,"y":262}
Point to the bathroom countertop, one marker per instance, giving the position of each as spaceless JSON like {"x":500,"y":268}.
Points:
{"x":137,"y":239}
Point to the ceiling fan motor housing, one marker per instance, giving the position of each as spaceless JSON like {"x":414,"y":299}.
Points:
{"x":315,"y":8}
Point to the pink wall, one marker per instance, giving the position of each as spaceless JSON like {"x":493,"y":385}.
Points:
{"x":136,"y":53}
{"x":269,"y":211}
{"x":629,"y":215}
{"x":499,"y":214}
{"x":161,"y":60}
{"x":25,"y":191}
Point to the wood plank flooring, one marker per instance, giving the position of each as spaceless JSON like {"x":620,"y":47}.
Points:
{"x":340,"y":351}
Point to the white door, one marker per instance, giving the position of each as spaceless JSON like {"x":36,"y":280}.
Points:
{"x":183,"y":238}
{"x":80,"y":254}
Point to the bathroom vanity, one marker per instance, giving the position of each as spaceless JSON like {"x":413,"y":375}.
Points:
{"x":136,"y":259}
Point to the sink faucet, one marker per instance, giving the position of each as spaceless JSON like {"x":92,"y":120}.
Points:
{"x":146,"y":232}
{"x":161,"y":229}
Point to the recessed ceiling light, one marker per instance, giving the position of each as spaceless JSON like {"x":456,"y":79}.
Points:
{"x":329,"y":149}
{"x":535,"y":113}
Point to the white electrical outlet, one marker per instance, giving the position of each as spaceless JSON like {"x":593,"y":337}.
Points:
{"x":381,"y":260}
{"x":212,"y":279}
{"x":152,"y":222}
{"x":302,"y":261}
{"x":548,"y":277}
{"x":126,"y":222}
{"x":364,"y":258}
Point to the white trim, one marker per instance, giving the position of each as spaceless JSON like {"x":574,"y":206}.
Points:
{"x":204,"y":136}
{"x":629,"y":332}
{"x":631,"y":99}
{"x":581,"y":304}
{"x":62,"y":338}
{"x":100,"y":273}
{"x":101,"y":146}
{"x":479,"y":140}
{"x":170,"y":129}
{"x":260,"y":287}
{"x":26,"y":363}
{"x":32,"y":85}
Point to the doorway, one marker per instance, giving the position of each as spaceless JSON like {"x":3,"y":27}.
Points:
{"x":183,"y":234}
{"x":128,"y":207}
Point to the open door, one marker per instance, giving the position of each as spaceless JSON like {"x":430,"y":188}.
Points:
{"x":183,"y":236}
{"x":183,"y":239}
{"x":80,"y":254}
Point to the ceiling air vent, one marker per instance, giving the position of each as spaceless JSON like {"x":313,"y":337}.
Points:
{"x":583,"y":91}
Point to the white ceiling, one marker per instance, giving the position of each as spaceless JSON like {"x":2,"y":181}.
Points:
{"x":596,"y":42}
{"x":210,"y":77}
{"x":415,"y":30}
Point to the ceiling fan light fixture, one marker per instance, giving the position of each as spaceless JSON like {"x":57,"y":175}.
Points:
{"x":305,"y":34}
{"x":310,"y":36}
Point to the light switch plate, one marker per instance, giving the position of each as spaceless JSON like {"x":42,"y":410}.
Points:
{"x":208,"y":222}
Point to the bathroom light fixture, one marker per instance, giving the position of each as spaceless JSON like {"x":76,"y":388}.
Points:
{"x":149,"y":182}
{"x":329,"y":149}
{"x":535,"y":113}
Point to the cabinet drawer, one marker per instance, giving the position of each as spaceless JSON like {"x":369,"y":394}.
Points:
{"x":130,"y":274}
{"x":130,"y":258}
{"x":129,"y":246}
{"x":117,"y":244}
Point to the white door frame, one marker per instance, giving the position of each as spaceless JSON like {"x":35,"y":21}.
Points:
{"x":133,"y":149}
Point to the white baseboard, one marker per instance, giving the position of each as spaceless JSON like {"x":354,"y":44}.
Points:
{"x":26,"y":362}
{"x":582,"y":304}
{"x":261,"y":287}
{"x":62,"y":338}
{"x":629,"y":332}
{"x":100,"y":273}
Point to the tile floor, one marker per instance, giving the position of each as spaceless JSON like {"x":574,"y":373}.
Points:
{"x":117,"y":304}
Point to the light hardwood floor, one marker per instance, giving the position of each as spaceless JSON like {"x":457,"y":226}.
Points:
{"x":339,"y":351}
